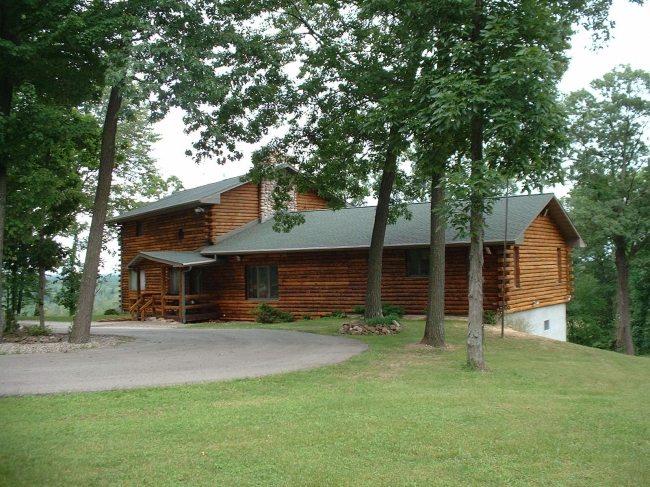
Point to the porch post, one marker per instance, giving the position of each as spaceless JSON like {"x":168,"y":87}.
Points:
{"x":182,"y":300}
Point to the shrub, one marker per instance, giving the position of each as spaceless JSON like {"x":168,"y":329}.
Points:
{"x":306,"y":317}
{"x":386,"y":320}
{"x":338,"y":313}
{"x":490,"y":317}
{"x":265,"y":313}
{"x":386,"y":309}
{"x":111,"y":311}
{"x":37,"y":330}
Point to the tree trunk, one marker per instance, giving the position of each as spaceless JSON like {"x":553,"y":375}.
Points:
{"x":81,"y":325}
{"x":434,"y":330}
{"x":6,"y":95}
{"x":3,"y":211}
{"x":41,"y":294}
{"x":376,"y":253}
{"x":624,"y":334}
{"x":475,"y":285}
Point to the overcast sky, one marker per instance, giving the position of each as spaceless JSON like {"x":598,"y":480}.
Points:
{"x":629,"y":45}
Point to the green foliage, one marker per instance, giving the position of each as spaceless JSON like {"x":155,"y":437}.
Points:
{"x":306,"y":317}
{"x":11,"y":323}
{"x":389,"y":309}
{"x":385,"y":320}
{"x":111,"y":311}
{"x":490,"y":317}
{"x":591,"y":334}
{"x":37,"y":330}
{"x":610,"y":201}
{"x":338,"y":313}
{"x":386,"y":309}
{"x":265,"y":313}
{"x":359,"y":310}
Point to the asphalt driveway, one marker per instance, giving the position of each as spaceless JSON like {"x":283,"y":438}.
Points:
{"x":159,"y":357}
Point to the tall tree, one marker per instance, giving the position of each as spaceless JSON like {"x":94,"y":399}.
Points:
{"x":164,"y":54}
{"x":46,"y":44}
{"x":610,"y":199}
{"x":49,"y":141}
{"x":353,"y":101}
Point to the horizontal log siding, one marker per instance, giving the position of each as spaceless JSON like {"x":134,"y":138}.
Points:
{"x":310,"y":201}
{"x":238,"y":207}
{"x":160,"y":233}
{"x":538,"y":265}
{"x":317,"y":283}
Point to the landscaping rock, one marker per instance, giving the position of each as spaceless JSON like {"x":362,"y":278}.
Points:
{"x":360,"y":328}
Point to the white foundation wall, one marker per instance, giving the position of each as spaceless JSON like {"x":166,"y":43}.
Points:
{"x":533,"y":321}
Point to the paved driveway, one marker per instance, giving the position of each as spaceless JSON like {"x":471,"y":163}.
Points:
{"x":172,"y":356}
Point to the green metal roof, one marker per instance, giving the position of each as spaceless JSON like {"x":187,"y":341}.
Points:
{"x":352,"y":228}
{"x":203,"y":195}
{"x":173,"y":258}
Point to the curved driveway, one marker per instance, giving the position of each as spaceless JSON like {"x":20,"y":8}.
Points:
{"x":172,"y":356}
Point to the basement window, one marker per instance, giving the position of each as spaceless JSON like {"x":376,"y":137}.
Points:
{"x":417,"y":263}
{"x":547,"y":325}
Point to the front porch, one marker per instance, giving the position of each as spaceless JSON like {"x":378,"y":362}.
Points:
{"x":173,"y":290}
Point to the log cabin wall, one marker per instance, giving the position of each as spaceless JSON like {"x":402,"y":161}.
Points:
{"x":310,"y":201}
{"x":177,"y":230}
{"x":317,"y":283}
{"x":238,"y":207}
{"x":544,"y":268}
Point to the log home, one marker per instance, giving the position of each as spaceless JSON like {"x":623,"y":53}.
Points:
{"x":211,"y":252}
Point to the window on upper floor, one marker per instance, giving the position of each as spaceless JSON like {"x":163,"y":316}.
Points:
{"x":560,"y":267}
{"x":139,"y":228}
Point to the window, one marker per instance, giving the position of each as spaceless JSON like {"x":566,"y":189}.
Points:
{"x":547,"y":325}
{"x":174,"y":280}
{"x":517,"y":268}
{"x":560,"y":271}
{"x":262,"y":282}
{"x":417,"y":263}
{"x":139,"y":228}
{"x":134,"y":275}
{"x":133,"y":279}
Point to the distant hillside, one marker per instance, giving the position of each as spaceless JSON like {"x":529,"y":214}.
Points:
{"x":106,"y":296}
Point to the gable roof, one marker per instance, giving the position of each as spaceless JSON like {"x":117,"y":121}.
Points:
{"x":210,"y":194}
{"x":350,"y":228}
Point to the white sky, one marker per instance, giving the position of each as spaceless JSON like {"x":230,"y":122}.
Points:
{"x":629,"y":45}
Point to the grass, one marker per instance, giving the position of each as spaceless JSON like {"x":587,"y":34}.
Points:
{"x":547,"y":414}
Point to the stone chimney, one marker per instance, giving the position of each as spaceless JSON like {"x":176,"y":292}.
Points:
{"x":266,"y":200}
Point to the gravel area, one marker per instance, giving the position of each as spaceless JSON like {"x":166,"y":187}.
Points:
{"x":62,"y":346}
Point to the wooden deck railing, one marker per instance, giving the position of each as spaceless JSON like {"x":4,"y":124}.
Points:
{"x":170,"y":306}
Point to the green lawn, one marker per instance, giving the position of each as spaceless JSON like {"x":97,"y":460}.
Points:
{"x":547,"y":414}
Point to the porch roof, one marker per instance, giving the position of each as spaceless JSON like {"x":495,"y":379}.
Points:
{"x":173,"y":258}
{"x":352,"y":228}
